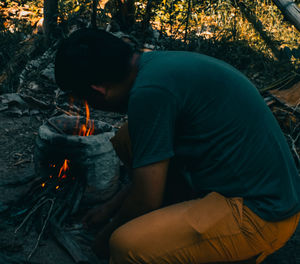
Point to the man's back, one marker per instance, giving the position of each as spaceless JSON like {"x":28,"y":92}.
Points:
{"x":212,"y":119}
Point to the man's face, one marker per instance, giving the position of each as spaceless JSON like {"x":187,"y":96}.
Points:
{"x":115,"y":96}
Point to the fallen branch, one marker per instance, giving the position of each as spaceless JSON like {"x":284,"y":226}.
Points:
{"x":22,"y":162}
{"x":64,"y":111}
{"x":291,"y":109}
{"x":37,"y":206}
{"x":293,"y":147}
{"x":34,"y":101}
{"x":43,"y":228}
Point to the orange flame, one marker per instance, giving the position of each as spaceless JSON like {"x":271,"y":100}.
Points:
{"x":85,"y":130}
{"x":88,"y":128}
{"x":64,"y":169}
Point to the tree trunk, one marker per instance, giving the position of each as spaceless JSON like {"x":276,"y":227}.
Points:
{"x":258,"y":26}
{"x":290,"y":10}
{"x":187,"y":21}
{"x":94,"y":14}
{"x":125,"y":15}
{"x":50,"y":19}
{"x":147,"y":17}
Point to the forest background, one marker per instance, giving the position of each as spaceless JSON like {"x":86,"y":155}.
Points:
{"x":251,"y":35}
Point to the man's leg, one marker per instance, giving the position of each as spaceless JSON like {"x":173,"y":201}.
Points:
{"x":213,"y":229}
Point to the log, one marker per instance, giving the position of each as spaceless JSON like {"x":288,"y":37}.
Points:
{"x":50,"y":19}
{"x":290,"y":10}
{"x":94,"y":14}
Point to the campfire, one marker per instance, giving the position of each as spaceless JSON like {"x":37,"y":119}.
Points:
{"x":74,"y":159}
{"x":59,"y":172}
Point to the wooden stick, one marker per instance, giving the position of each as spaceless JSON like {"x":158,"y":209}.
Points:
{"x":22,"y":161}
{"x":64,"y":111}
{"x":56,"y":127}
{"x":37,"y":206}
{"x":43,"y":229}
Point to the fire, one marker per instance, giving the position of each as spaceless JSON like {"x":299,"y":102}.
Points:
{"x":85,"y":130}
{"x":64,"y":168}
{"x":88,"y":128}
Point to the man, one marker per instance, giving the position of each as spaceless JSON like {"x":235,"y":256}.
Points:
{"x":204,"y":118}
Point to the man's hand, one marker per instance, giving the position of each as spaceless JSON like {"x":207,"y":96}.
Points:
{"x":145,"y":194}
{"x":101,"y":214}
{"x":101,"y":244}
{"x":98,"y":215}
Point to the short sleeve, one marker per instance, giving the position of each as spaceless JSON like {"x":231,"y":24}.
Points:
{"x":152,"y":114}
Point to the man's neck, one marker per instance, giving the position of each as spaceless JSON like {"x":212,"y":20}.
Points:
{"x":134,"y":68}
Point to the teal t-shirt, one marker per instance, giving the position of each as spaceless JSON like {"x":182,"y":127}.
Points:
{"x":213,"y":120}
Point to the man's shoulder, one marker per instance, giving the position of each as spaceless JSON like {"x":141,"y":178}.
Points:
{"x":171,"y":56}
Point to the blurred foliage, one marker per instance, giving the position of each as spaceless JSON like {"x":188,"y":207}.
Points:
{"x":215,"y":27}
{"x":209,"y":18}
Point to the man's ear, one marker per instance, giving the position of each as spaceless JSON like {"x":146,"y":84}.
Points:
{"x":99,"y":88}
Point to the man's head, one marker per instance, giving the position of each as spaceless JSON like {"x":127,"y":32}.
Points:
{"x":95,"y":65}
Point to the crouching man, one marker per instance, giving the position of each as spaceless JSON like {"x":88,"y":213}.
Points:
{"x":195,"y":120}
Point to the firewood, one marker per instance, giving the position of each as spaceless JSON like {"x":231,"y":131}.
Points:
{"x":43,"y":228}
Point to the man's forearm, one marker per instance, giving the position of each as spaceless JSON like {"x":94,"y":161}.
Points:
{"x":117,"y":201}
{"x":145,"y":194}
{"x":132,"y":207}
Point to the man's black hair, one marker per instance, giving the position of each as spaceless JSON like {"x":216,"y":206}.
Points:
{"x":91,"y":56}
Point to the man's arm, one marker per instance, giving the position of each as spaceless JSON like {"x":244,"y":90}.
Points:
{"x":145,"y":195}
{"x":101,"y":214}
